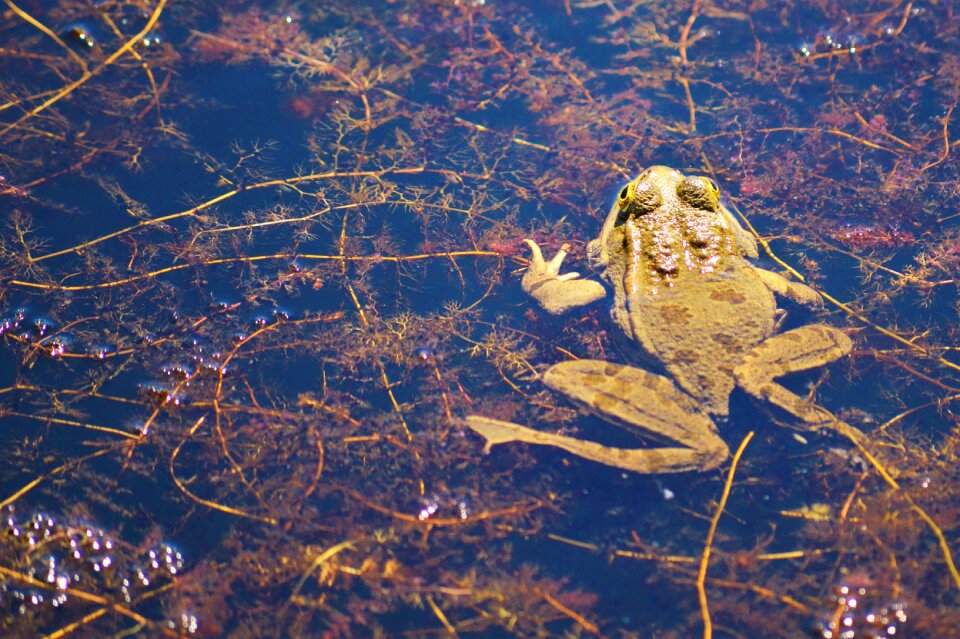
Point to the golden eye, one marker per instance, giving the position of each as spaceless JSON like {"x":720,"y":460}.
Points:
{"x":700,"y":192}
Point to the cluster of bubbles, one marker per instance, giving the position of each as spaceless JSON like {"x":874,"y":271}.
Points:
{"x":87,"y":34}
{"x":27,"y":327}
{"x":827,"y":41}
{"x":194,"y":356}
{"x":456,"y":505}
{"x":38,"y":331}
{"x":845,"y":39}
{"x":198,"y":358}
{"x":260,"y":320}
{"x":65,"y":556}
{"x":855,"y":614}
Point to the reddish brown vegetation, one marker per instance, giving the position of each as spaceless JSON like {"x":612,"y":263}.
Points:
{"x":254,"y":314}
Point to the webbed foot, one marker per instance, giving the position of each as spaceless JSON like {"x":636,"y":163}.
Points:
{"x":554,"y":292}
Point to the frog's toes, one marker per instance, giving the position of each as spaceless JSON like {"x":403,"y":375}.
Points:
{"x":536,"y":255}
{"x":553,"y":266}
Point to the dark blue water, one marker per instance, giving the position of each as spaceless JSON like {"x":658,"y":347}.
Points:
{"x":256,"y":270}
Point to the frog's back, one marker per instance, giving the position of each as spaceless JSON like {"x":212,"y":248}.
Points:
{"x":701,"y":327}
{"x":684,"y":291}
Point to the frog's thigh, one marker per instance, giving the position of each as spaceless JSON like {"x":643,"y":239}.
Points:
{"x":636,"y":398}
{"x":795,"y":350}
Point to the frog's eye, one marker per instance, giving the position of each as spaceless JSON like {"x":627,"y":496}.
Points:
{"x":700,"y":192}
{"x":638,"y":198}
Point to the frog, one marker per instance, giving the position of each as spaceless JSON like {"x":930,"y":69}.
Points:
{"x":688,"y":299}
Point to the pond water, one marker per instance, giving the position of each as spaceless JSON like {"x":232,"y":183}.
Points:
{"x":259,"y":261}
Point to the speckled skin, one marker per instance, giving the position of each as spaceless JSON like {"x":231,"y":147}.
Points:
{"x":684,"y":291}
{"x":682,"y":286}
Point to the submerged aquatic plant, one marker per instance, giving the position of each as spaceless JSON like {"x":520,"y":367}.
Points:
{"x":259,"y":260}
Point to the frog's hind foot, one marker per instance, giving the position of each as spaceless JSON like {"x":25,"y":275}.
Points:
{"x":796,"y":350}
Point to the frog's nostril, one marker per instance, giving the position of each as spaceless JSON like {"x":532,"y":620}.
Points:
{"x":623,"y":193}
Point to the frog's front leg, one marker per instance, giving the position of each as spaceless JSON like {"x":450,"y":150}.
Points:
{"x":631,"y":397}
{"x":554,"y":292}
{"x":796,"y":350}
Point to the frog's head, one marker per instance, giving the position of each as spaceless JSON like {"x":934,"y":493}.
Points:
{"x":661,"y":185}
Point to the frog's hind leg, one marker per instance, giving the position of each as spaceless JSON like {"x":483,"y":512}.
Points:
{"x":795,"y":350}
{"x":630,"y":396}
{"x":639,"y":460}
